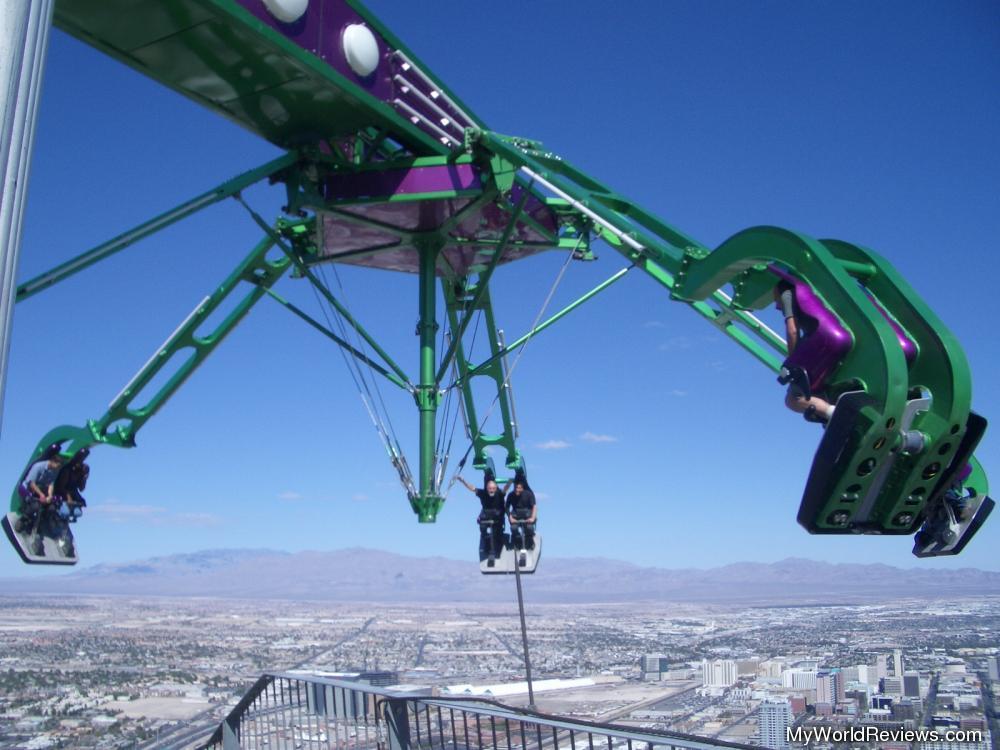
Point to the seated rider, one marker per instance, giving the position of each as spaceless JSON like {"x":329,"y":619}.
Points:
{"x":40,"y":483}
{"x":71,"y":483}
{"x":814,"y":409}
{"x":490,"y":518}
{"x":523,"y":512}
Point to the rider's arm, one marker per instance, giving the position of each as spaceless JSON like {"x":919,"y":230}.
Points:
{"x":786,"y":301}
{"x":36,"y":489}
{"x":791,"y":334}
{"x":469,"y":486}
{"x":506,"y":486}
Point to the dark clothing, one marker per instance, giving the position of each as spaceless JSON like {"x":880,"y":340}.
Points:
{"x":492,"y":504}
{"x":520,"y":506}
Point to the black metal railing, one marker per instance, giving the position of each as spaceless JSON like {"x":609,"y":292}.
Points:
{"x":305,"y":712}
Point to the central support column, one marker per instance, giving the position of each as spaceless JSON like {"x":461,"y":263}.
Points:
{"x":24,"y":37}
{"x":428,"y":502}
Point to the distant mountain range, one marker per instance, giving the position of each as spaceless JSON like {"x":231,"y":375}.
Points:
{"x":373,"y":575}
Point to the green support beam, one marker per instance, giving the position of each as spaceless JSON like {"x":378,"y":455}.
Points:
{"x":298,"y":235}
{"x":498,"y":353}
{"x":482,"y":284}
{"x":458,"y":296}
{"x":106,"y":249}
{"x":125,"y":417}
{"x":304,"y":316}
{"x":429,"y":500}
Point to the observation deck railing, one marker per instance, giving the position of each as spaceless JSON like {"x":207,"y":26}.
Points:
{"x":304,"y":712}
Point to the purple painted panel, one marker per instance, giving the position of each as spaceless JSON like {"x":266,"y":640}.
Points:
{"x":411,"y":216}
{"x":319,"y":32}
{"x":907,"y":344}
{"x":305,"y":32}
{"x":339,"y":236}
{"x":399,"y":182}
{"x":821,"y":351}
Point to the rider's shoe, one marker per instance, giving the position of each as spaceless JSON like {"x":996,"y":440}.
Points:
{"x":812,"y":414}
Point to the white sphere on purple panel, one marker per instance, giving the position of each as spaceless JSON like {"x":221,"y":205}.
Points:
{"x":286,"y":11}
{"x":360,"y":49}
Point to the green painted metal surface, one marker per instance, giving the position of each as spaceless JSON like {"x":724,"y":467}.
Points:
{"x":466,"y":298}
{"x":177,"y":358}
{"x":218,"y":54}
{"x":428,"y":502}
{"x":836,"y":271}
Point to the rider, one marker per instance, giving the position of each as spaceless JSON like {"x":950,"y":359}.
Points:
{"x":40,"y":483}
{"x":522,"y":512}
{"x":491,"y":517}
{"x":814,"y":409}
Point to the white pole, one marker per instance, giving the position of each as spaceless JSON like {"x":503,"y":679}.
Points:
{"x":24,"y":38}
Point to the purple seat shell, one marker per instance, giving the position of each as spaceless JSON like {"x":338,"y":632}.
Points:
{"x":821,"y":351}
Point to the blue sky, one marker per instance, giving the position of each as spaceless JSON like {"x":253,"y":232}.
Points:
{"x":875,"y":123}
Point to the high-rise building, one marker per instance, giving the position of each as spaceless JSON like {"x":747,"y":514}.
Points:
{"x":718,"y":673}
{"x":891,"y":686}
{"x":897,"y":663}
{"x":911,"y":684}
{"x":868,"y":674}
{"x":770,"y":668}
{"x":882,"y":666}
{"x":773,"y":719}
{"x":653,"y":663}
{"x":799,"y":679}
{"x":993,"y":667}
{"x":830,"y":687}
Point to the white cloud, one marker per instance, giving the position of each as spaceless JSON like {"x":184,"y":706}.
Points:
{"x":151,"y":515}
{"x":200,"y":520}
{"x":359,"y":496}
{"x":553,"y":445}
{"x":675,"y":343}
{"x":653,"y":324}
{"x":289,"y":495}
{"x":119,"y":511}
{"x":678,"y":393}
{"x":593,"y":437}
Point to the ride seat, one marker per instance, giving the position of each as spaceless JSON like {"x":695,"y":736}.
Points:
{"x":827,"y":341}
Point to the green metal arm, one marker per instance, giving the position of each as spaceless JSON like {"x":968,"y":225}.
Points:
{"x":106,"y":249}
{"x":840,"y":274}
{"x":467,"y":298}
{"x":652,"y":244}
{"x":124,"y":417}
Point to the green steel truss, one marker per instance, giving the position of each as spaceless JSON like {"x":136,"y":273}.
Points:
{"x":724,"y":286}
{"x":176,"y":359}
{"x":836,"y":271}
